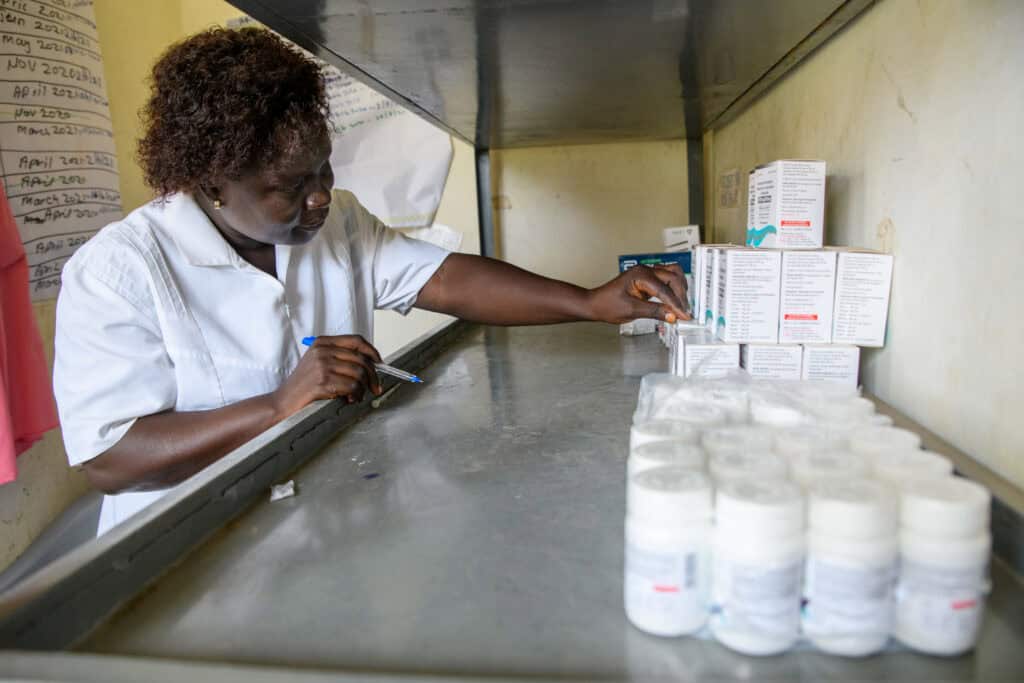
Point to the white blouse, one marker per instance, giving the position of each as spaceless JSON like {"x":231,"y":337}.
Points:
{"x":158,"y":312}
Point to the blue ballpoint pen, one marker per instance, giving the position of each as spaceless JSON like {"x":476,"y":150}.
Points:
{"x":381,"y":367}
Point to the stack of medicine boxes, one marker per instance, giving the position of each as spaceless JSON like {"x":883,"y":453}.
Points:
{"x":783,"y":306}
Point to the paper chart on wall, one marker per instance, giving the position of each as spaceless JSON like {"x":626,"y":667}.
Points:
{"x":57,"y":156}
{"x":394,"y":162}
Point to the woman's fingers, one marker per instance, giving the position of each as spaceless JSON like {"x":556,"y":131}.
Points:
{"x":369,"y":372}
{"x":352,"y":342}
{"x":672,"y":275}
{"x":647,"y":284}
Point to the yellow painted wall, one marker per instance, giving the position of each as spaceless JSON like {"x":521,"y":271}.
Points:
{"x":568,"y":212}
{"x":917,"y":107}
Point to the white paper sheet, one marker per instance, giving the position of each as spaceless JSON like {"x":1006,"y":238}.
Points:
{"x":438,"y":234}
{"x":393,"y":161}
{"x":57,"y":155}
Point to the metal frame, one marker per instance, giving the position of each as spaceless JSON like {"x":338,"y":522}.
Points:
{"x":485,"y":209}
{"x":838,"y":20}
{"x":268,"y":17}
{"x":62,"y":603}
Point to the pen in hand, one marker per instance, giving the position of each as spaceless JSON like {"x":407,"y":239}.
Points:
{"x":381,"y":367}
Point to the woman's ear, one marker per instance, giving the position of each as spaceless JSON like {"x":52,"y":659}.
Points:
{"x":213,"y":195}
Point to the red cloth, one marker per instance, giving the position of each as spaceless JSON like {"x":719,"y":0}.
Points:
{"x":27,"y":409}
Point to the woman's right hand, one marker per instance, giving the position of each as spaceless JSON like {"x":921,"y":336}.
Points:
{"x":340,"y":366}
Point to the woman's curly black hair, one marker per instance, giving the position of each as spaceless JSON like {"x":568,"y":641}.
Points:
{"x":226,"y":102}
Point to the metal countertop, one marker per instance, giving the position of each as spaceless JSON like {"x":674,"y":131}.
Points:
{"x":475,"y":526}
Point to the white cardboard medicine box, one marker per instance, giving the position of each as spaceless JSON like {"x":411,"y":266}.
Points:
{"x":789,"y":205}
{"x":705,"y":356}
{"x":748,"y":295}
{"x":772,"y":361}
{"x":712,"y":281}
{"x":681,"y":238}
{"x":861,"y":308}
{"x":807,"y":296}
{"x":831,"y":363}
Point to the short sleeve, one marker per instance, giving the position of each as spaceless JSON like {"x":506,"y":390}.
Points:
{"x":110,"y":363}
{"x":401,"y":265}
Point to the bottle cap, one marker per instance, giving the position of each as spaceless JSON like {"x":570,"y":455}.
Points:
{"x":662,"y":430}
{"x":737,"y":438}
{"x":668,"y":495}
{"x":809,"y":467}
{"x":769,"y":508}
{"x":870,"y":440}
{"x":953,"y":507}
{"x":737,"y":465}
{"x":854,"y":508}
{"x":900,"y":467}
{"x":662,"y":453}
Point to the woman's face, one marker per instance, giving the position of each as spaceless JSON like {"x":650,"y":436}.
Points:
{"x":286,"y":203}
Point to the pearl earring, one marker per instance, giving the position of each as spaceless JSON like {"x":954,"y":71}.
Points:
{"x":217,"y":204}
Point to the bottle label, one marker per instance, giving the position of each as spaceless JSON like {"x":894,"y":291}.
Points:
{"x":758,"y":598}
{"x":941,"y":602}
{"x":844,"y":599}
{"x":663,"y":584}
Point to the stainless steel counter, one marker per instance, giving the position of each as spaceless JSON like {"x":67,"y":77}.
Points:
{"x":474,"y":526}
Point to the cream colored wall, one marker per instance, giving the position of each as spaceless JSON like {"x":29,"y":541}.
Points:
{"x":917,"y":108}
{"x":568,"y":212}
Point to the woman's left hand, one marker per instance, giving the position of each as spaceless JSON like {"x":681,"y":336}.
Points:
{"x":627,"y":297}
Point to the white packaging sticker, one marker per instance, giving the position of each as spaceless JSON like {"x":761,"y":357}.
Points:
{"x":863,"y":282}
{"x":709,"y":359}
{"x":939,"y":604}
{"x":807,"y":296}
{"x":845,"y":599}
{"x":831,"y":363}
{"x":757,"y":598}
{"x":664,"y":586}
{"x":748,"y":296}
{"x":772,"y":361}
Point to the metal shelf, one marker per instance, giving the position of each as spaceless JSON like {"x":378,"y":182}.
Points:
{"x":521,"y":73}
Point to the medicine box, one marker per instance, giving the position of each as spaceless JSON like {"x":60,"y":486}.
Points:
{"x":751,"y":201}
{"x":696,"y":292}
{"x":788,"y":206}
{"x":772,"y":361}
{"x":748,"y":295}
{"x":705,"y":356}
{"x":681,"y":238}
{"x":861,"y":309}
{"x":694,"y":350}
{"x":706,"y":308}
{"x":807,"y":296}
{"x":831,"y":363}
{"x":627,"y":261}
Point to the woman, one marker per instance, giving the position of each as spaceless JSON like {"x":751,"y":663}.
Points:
{"x":179,"y":327}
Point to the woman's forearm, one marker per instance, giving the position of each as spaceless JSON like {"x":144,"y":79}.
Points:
{"x":166,"y":448}
{"x":489,"y":291}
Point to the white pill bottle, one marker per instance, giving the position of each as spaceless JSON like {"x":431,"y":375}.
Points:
{"x":668,"y":539}
{"x":758,"y":555}
{"x":850,"y":575}
{"x":944,"y":555}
